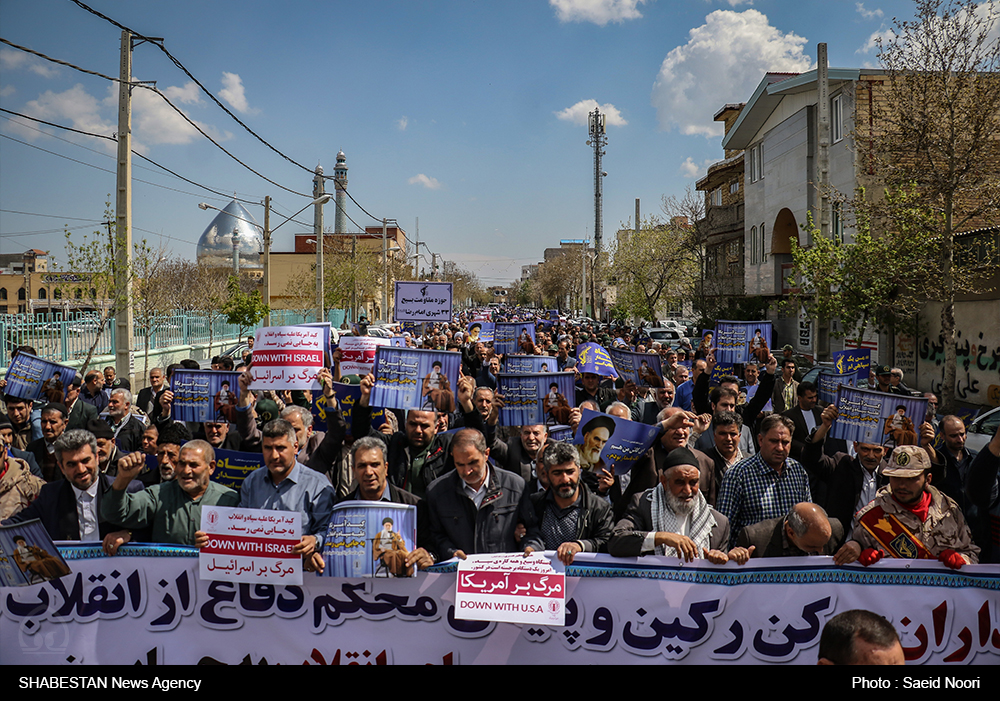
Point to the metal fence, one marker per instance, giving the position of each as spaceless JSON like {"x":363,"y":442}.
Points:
{"x":67,"y":339}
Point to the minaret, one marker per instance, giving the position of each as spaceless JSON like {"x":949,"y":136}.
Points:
{"x":340,"y":185}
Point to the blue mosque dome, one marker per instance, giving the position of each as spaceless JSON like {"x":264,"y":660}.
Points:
{"x":215,"y":247}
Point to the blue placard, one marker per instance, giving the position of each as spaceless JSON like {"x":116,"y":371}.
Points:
{"x":411,"y":378}
{"x":718,"y":372}
{"x":874,"y":417}
{"x":522,"y":364}
{"x":536,"y":399}
{"x":205,"y":395}
{"x":369,"y":539}
{"x":856,"y":361}
{"x":742,"y":341}
{"x":592,"y":357}
{"x":827,"y":384}
{"x":642,"y":368}
{"x":612,"y":443}
{"x":480,"y":331}
{"x":347,"y":397}
{"x":508,"y":337}
{"x":232,"y":467}
{"x":29,"y":377}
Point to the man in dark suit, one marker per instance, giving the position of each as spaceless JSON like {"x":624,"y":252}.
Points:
{"x":80,"y":413}
{"x":146,"y":401}
{"x":806,"y":530}
{"x":69,"y":508}
{"x":806,"y":416}
{"x":53,"y":426}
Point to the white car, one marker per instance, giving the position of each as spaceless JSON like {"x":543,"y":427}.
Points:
{"x":982,"y":429}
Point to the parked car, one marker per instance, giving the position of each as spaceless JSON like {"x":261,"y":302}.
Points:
{"x":661,"y":334}
{"x":982,"y":429}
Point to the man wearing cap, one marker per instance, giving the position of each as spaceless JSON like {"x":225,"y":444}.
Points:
{"x":883,"y":381}
{"x":911,"y":519}
{"x":673,"y":519}
{"x":80,"y":412}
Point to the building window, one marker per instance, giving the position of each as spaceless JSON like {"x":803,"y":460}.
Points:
{"x":753,"y":245}
{"x":41,"y":293}
{"x":717,"y":197}
{"x":837,"y":118}
{"x":755,"y":164}
{"x":3,"y":293}
{"x":837,"y":225}
{"x":734,"y":187}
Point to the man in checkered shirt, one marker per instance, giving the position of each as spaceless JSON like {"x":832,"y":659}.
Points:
{"x":766,"y":485}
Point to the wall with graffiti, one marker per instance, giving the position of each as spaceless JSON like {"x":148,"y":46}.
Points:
{"x":977,"y":335}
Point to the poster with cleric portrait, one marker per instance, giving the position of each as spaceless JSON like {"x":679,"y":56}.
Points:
{"x":611,"y":443}
{"x":544,"y":398}
{"x":412,"y":378}
{"x":874,"y":417}
{"x":205,"y":395}
{"x":480,"y":331}
{"x":742,"y":341}
{"x":522,"y":364}
{"x":642,"y":368}
{"x":511,"y":337}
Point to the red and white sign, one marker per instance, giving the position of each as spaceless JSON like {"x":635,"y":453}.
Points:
{"x":512,"y":588}
{"x":250,"y":545}
{"x":358,"y":354}
{"x":287,"y":357}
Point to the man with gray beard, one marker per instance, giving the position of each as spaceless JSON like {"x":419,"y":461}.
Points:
{"x":673,"y":519}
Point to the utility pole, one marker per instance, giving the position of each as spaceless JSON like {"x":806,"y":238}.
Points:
{"x":318,"y":231}
{"x":124,"y":342}
{"x":267,"y":258}
{"x":385,"y":272}
{"x":597,"y":125}
{"x":821,"y":339}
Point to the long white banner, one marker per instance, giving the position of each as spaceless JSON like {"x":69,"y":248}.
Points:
{"x":155,"y":610}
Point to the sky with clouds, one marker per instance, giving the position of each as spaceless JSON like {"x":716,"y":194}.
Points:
{"x":471,"y":116}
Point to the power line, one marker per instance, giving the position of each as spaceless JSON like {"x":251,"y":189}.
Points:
{"x":108,"y":155}
{"x":172,"y":106}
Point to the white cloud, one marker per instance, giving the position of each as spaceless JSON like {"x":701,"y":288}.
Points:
{"x":156,"y":122}
{"x":233,"y":93}
{"x":885,"y":35}
{"x":74,"y":107}
{"x":722,"y":62}
{"x":402,"y":122}
{"x":7,"y":91}
{"x":12,"y":59}
{"x":690,"y":169}
{"x":600,"y":12}
{"x":190,"y":94}
{"x":425,"y":180}
{"x":868,"y":14}
{"x":985,"y":12}
{"x":577,"y":114}
{"x":737,"y":3}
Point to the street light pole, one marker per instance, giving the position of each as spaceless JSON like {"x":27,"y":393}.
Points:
{"x":318,"y":231}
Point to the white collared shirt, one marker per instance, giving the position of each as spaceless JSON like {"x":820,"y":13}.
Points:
{"x":86,"y":512}
{"x":477,"y":494}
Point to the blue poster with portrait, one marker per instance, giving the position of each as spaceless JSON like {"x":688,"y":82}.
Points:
{"x":480,"y":331}
{"x":642,"y":368}
{"x":205,"y":395}
{"x":32,"y":378}
{"x":742,"y":341}
{"x":370,"y":539}
{"x":611,"y":443}
{"x":536,"y":399}
{"x":509,"y":337}
{"x":412,"y":378}
{"x":874,"y":417}
{"x":522,"y":364}
{"x":232,"y":467}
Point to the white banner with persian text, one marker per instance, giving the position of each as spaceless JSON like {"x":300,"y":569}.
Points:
{"x":156,"y":611}
{"x":422,"y":301}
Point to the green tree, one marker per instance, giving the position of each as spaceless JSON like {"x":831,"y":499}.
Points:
{"x":95,"y":261}
{"x":244,"y":308}
{"x":652,"y":265}
{"x":938,"y":125}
